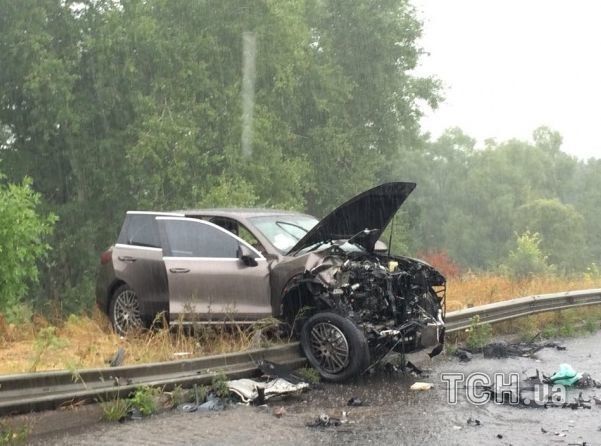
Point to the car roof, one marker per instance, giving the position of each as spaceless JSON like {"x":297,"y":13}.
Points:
{"x":238,"y":213}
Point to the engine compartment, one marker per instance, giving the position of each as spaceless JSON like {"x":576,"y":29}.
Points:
{"x":398,"y":302}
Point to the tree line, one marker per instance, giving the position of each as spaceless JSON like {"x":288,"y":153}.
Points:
{"x":112,"y":105}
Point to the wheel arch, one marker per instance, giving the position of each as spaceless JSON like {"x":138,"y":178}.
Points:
{"x":300,"y":293}
{"x":111,"y":292}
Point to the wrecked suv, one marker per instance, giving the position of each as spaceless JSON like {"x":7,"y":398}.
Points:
{"x":331,"y":281}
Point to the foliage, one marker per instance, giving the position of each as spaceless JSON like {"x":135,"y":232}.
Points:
{"x":442,"y":262}
{"x":144,"y":400}
{"x":309,"y":375}
{"x":9,"y":435}
{"x":527,"y":259}
{"x":479,"y":334}
{"x":23,"y":230}
{"x":46,"y":340}
{"x":560,"y":228}
{"x":219,"y":385}
{"x":111,"y":106}
{"x":115,"y":409}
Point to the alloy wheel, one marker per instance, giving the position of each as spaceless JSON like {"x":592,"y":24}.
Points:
{"x":126,"y":312}
{"x":330,"y":347}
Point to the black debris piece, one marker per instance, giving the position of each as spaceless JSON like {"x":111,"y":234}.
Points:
{"x":356,"y":402}
{"x":117,"y":358}
{"x":587,"y":381}
{"x":133,"y":414}
{"x":499,"y":436}
{"x":463,"y":355}
{"x":473,"y":422}
{"x":271,"y":369}
{"x":502,"y":349}
{"x":324,"y":420}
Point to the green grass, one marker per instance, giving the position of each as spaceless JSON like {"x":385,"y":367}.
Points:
{"x":114,"y":410}
{"x":145,"y":400}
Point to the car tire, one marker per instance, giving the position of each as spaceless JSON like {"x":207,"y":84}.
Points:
{"x":334,"y":346}
{"x":124,"y":311}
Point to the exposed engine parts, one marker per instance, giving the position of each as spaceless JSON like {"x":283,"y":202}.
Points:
{"x":391,"y":299}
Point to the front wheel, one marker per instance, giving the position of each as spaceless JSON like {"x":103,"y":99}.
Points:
{"x":124,"y":311}
{"x":334,"y":346}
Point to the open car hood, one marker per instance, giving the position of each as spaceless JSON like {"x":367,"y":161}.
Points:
{"x":372,"y":210}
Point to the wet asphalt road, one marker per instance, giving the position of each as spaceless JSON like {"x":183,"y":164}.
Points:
{"x":395,"y":415}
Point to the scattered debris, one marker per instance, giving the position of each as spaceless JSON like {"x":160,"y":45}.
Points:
{"x":463,"y":355}
{"x":356,"y":402}
{"x":133,"y":414}
{"x":543,"y":430}
{"x":597,"y":400}
{"x":324,"y":420}
{"x":213,"y":403}
{"x":565,"y":376}
{"x":279,"y":412}
{"x":117,"y":358}
{"x":473,"y":422}
{"x":250,"y":390}
{"x":421,"y":386}
{"x":502,"y":349}
{"x":273,"y":370}
{"x":499,"y":436}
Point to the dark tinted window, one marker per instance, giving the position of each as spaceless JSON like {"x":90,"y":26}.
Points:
{"x":140,"y":230}
{"x":197,"y":239}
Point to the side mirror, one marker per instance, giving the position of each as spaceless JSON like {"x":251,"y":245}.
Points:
{"x":246,"y":255}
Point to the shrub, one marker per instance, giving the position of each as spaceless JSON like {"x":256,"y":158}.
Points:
{"x":22,"y":233}
{"x":527,"y":259}
{"x":144,"y":400}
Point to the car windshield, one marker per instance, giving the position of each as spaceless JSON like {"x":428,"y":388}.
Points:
{"x":284,"y":231}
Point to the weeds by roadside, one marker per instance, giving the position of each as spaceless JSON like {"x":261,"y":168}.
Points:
{"x":115,"y":409}
{"x":479,"y":334}
{"x":308,"y":374}
{"x":145,"y":400}
{"x":11,"y":435}
{"x":83,"y":341}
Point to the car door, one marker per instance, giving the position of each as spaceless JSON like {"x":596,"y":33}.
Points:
{"x":207,"y":281}
{"x":138,"y":261}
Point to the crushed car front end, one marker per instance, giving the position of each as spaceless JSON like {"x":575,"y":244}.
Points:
{"x":350,"y":300}
{"x":397,"y":302}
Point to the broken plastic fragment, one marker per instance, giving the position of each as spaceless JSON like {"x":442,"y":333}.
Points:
{"x":421,"y":386}
{"x":566,"y":376}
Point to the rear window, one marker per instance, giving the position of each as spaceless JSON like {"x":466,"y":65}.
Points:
{"x":140,"y":230}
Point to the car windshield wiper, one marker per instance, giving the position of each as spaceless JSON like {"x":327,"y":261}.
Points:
{"x":281,"y":225}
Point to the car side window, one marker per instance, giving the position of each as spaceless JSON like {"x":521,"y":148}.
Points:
{"x":193,"y":238}
{"x":140,"y":230}
{"x":240,"y":230}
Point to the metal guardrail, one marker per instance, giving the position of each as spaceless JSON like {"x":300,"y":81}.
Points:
{"x":520,"y":307}
{"x":49,"y":390}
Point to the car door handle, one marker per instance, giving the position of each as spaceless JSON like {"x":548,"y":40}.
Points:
{"x":179,"y":270}
{"x":127,"y":258}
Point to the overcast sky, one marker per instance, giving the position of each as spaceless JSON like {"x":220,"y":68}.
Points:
{"x":510,"y":66}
